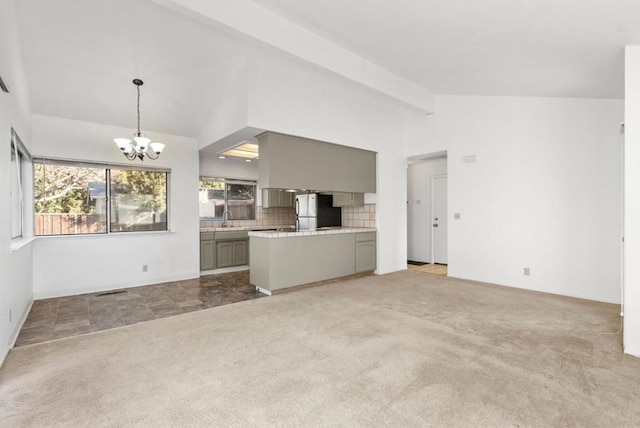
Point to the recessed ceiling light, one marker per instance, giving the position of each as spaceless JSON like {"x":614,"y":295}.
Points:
{"x":222,"y":157}
{"x":247,"y":160}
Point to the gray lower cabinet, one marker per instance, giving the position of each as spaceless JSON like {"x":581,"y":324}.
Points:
{"x":232,"y":253}
{"x":240,"y":253}
{"x":207,"y":255}
{"x":365,"y":252}
{"x":223,"y":249}
{"x":207,"y":251}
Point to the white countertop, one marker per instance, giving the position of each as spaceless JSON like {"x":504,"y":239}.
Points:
{"x":324,"y":231}
{"x":234,"y":228}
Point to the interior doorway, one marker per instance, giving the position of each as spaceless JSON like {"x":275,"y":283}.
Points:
{"x":421,"y":172}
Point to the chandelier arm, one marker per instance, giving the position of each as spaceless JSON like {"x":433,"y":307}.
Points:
{"x":131,"y":155}
{"x":151,"y":156}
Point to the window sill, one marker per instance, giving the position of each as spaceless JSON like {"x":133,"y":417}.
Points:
{"x":108,"y":235}
{"x":18,"y":243}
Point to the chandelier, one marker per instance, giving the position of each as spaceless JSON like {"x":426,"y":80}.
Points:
{"x":140,"y":146}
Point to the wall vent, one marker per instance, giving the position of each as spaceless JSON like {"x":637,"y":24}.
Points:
{"x":3,"y":86}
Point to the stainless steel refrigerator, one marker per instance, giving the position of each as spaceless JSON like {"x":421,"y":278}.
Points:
{"x":314,"y":211}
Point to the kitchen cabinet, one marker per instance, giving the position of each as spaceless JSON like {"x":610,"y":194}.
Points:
{"x":290,"y":162}
{"x":346,"y":199}
{"x":365,"y":252}
{"x":231,"y":253}
{"x":232,"y":248}
{"x":224,"y":249}
{"x":207,"y":251}
{"x":272,"y":198}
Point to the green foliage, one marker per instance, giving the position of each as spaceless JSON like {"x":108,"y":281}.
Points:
{"x":148,"y":188}
{"x":64,"y":189}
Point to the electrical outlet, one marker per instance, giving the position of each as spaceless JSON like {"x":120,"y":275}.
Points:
{"x":527,"y":271}
{"x":145,"y":268}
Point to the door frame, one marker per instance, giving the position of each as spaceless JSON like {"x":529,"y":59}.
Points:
{"x":433,"y":212}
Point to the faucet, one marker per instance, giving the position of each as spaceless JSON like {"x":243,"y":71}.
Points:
{"x":225,"y":217}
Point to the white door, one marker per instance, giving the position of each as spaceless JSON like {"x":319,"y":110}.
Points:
{"x":439,"y":219}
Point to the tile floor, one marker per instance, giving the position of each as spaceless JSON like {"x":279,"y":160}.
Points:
{"x":430,"y":268}
{"x":61,"y":317}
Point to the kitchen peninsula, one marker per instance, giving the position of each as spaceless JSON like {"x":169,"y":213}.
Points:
{"x":281,"y":260}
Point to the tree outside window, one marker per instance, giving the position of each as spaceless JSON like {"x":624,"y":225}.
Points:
{"x":218,"y":195}
{"x":75,"y":199}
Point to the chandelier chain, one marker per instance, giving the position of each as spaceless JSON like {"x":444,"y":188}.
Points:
{"x":138,"y":88}
{"x":141,"y":147}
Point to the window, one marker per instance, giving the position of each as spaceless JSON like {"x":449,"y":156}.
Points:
{"x":138,"y":200}
{"x":20,"y":160}
{"x":74,"y":198}
{"x":218,"y":195}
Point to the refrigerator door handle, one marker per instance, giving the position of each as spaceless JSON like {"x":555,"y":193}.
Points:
{"x":297,"y":207}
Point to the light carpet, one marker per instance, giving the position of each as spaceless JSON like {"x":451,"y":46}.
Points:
{"x":404,"y":349}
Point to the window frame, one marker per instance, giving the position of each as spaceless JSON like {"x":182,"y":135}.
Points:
{"x":107,"y":167}
{"x":227,"y":181}
{"x":23,"y":158}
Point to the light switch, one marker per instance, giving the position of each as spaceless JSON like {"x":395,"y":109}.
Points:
{"x":456,"y":216}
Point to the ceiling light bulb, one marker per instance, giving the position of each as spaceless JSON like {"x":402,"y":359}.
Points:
{"x":222,"y":157}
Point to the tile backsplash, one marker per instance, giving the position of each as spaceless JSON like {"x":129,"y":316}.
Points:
{"x":364,"y":216}
{"x":264,"y":217}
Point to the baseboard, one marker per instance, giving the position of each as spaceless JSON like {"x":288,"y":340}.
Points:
{"x":224,"y":270}
{"x":65,"y":293}
{"x":263,"y":290}
{"x":21,"y":321}
{"x":16,"y":332}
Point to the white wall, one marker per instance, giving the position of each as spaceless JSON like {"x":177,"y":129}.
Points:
{"x":16,"y":283}
{"x":236,"y":168}
{"x":294,"y":98}
{"x":419,"y":207}
{"x":632,"y":202}
{"x":80,"y":264}
{"x":229,"y":111}
{"x":544,"y":193}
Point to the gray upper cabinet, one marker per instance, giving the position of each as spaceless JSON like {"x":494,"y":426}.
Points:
{"x":289,"y":162}
{"x":345,"y":199}
{"x":277,"y":198}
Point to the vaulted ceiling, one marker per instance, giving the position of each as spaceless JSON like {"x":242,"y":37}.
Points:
{"x":549,"y":48}
{"x":81,"y":55}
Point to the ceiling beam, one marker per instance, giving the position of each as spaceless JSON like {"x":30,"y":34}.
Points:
{"x":247,"y":19}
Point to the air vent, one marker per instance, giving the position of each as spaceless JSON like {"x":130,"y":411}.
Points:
{"x":3,"y":86}
{"x":110,"y":293}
